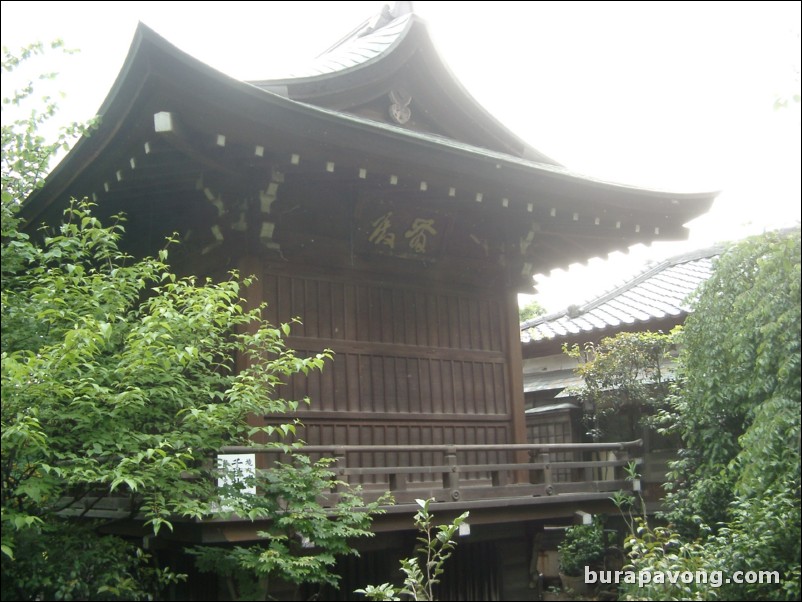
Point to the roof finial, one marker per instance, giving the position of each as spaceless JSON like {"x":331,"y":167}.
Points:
{"x":377,"y":22}
{"x":401,"y":8}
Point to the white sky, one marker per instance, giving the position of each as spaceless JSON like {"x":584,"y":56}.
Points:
{"x":672,"y":95}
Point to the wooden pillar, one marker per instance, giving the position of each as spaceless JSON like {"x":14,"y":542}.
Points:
{"x":516,"y":379}
{"x":249,"y":265}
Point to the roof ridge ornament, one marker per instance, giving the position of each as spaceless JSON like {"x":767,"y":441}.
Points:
{"x":377,"y":22}
{"x":402,"y":8}
{"x":387,"y":15}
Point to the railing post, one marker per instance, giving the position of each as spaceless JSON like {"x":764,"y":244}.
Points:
{"x":621,"y":473}
{"x":340,"y":466}
{"x":533,"y":476}
{"x":590,"y":456}
{"x":451,"y":478}
{"x":545,"y":459}
{"x":498,"y":478}
{"x":398,"y":481}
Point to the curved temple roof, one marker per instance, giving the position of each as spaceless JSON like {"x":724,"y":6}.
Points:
{"x":449,"y":150}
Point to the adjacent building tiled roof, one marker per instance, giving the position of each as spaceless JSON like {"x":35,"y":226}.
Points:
{"x":548,"y":380}
{"x":657,"y":293}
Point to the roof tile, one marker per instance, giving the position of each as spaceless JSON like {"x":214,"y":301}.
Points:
{"x":657,"y":292}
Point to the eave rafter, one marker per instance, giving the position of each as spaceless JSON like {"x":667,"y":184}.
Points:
{"x":527,"y":225}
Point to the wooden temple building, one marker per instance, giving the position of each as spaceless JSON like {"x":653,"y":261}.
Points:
{"x":380,"y":204}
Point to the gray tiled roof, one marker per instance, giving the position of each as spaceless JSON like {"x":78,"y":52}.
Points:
{"x":659,"y":292}
{"x":545,"y":381}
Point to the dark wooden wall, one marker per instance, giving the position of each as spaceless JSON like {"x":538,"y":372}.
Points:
{"x":414,"y":363}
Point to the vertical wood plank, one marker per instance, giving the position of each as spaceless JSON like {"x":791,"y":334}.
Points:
{"x":436,"y":383}
{"x":352,"y":381}
{"x":375,"y":332}
{"x":390,"y":384}
{"x":377,"y":385}
{"x":410,"y":319}
{"x":337,"y":310}
{"x":339,"y":372}
{"x":388,"y":321}
{"x":352,"y":312}
{"x":298,"y":304}
{"x":482,"y":404}
{"x":496,"y":328}
{"x":311,"y":307}
{"x":443,"y":326}
{"x":270,"y":296}
{"x":457,"y":402}
{"x":446,"y":401}
{"x":314,"y":391}
{"x":431,"y":323}
{"x":424,"y":385}
{"x":421,"y":319}
{"x":473,"y":323}
{"x":367,"y":395}
{"x":324,"y":318}
{"x":402,"y":384}
{"x":494,"y":404}
{"x":465,"y":325}
{"x":283,"y":301}
{"x":453,"y":322}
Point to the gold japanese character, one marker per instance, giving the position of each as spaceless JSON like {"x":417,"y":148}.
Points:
{"x":380,"y":234}
{"x":417,"y":234}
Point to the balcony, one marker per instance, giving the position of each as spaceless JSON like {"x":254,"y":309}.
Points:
{"x":473,"y":476}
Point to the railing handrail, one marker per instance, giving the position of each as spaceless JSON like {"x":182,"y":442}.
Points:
{"x":445,"y":448}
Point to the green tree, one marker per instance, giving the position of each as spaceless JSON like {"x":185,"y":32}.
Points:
{"x":741,"y":379}
{"x":735,"y":499}
{"x":624,"y":381}
{"x":302,"y":540}
{"x":120,"y":383}
{"x":531,"y":310}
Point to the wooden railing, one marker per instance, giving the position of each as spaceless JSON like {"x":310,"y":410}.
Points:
{"x":473,"y":472}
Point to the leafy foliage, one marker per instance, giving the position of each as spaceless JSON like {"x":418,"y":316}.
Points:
{"x":120,"y":383}
{"x":660,"y":551}
{"x":421,"y":572}
{"x":736,"y":502}
{"x":531,"y":310}
{"x":69,"y":561}
{"x":303,"y":538}
{"x":624,"y":380}
{"x":739,"y":411}
{"x":120,"y":378}
{"x":582,"y":546}
{"x":27,"y":153}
